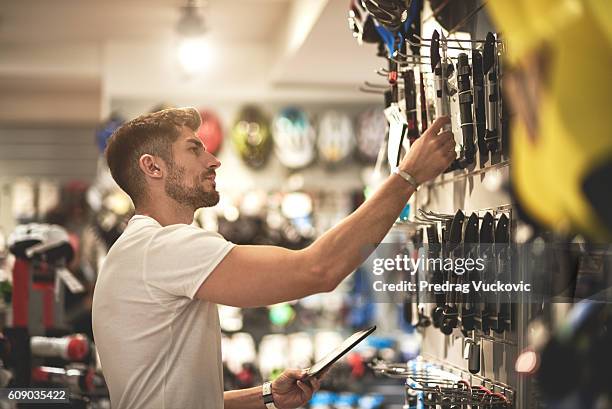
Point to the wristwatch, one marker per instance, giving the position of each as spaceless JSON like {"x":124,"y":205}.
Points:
{"x":266,"y":390}
{"x":407,"y":177}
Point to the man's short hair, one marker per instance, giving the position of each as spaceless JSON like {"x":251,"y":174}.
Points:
{"x":151,"y":134}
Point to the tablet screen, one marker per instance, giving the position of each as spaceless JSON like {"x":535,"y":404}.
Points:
{"x":338,"y":352}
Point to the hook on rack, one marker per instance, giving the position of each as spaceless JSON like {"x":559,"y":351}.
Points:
{"x":371,"y":88}
{"x":371,"y":91}
{"x":382,"y":72}
{"x":376,"y":86}
{"x":436,"y":216}
{"x":450,"y":40}
{"x":419,"y":44}
{"x":434,"y":384}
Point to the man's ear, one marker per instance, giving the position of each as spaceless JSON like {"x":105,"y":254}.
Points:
{"x":151,"y":166}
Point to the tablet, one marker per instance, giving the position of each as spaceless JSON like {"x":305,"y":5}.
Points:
{"x":333,"y":356}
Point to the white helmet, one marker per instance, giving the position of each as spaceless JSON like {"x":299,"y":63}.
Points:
{"x":294,"y":138}
{"x":336,"y":137}
{"x":372,"y":127}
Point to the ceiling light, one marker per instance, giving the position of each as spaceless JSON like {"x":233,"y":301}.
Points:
{"x":191,"y":23}
{"x":193,"y":49}
{"x":194,"y":54}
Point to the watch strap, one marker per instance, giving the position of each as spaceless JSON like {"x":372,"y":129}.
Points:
{"x":407,"y":177}
{"x":266,"y":391}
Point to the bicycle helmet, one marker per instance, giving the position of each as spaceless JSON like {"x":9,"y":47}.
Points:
{"x":210,"y":131}
{"x":294,"y":138}
{"x":336,"y":137}
{"x":371,"y":133}
{"x":251,"y":137}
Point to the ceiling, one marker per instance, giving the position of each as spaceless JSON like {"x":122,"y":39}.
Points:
{"x":100,"y":51}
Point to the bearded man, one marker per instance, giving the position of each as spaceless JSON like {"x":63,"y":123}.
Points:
{"x":155,"y":318}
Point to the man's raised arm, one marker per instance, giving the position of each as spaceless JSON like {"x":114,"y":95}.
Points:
{"x":251,"y":276}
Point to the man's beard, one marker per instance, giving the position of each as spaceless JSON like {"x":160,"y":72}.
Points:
{"x":194,"y":197}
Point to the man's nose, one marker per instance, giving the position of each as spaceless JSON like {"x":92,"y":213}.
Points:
{"x":213,"y":162}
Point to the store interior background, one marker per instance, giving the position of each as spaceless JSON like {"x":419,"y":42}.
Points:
{"x":67,"y":65}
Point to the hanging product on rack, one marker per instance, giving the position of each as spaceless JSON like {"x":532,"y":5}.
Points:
{"x":479,"y":103}
{"x":465,"y":109}
{"x":470,"y":240}
{"x":486,"y":249}
{"x":452,"y":249}
{"x":430,"y":384}
{"x":453,"y":15}
{"x":361,"y":23}
{"x":489,"y":66}
{"x":500,"y":319}
{"x":410,"y":98}
{"x":397,"y":143}
{"x":434,"y":252}
{"x":506,"y":114}
{"x":442,"y":71}
{"x":390,"y":13}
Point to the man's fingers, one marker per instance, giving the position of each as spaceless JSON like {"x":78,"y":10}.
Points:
{"x":294,"y":373}
{"x":438,"y":124}
{"x":449,"y":145}
{"x":445,"y":136}
{"x":305,"y":388}
{"x":315,"y":383}
{"x":450,"y":156}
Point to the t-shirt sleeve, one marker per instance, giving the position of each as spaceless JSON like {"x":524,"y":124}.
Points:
{"x":179,"y":258}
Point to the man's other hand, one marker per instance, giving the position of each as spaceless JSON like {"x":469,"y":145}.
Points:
{"x":430,"y":154}
{"x":291,"y":389}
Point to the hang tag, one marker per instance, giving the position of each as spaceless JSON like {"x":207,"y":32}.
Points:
{"x":398,"y":126}
{"x":73,"y":284}
{"x":467,"y":349}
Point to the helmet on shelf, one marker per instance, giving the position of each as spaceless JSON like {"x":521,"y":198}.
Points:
{"x":294,"y":138}
{"x":336,"y":137}
{"x":210,"y":131}
{"x":371,"y":133}
{"x":251,"y":136}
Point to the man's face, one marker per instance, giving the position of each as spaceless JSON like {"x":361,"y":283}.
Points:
{"x":191,"y":175}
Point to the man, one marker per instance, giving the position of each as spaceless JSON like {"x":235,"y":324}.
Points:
{"x":155,"y":318}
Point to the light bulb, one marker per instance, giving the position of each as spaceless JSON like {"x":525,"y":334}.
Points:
{"x":194,"y":54}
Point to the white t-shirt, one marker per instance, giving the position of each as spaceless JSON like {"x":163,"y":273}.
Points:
{"x":159,"y":347}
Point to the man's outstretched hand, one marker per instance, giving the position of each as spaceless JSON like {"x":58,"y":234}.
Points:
{"x":430,"y":154}
{"x":291,"y":389}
